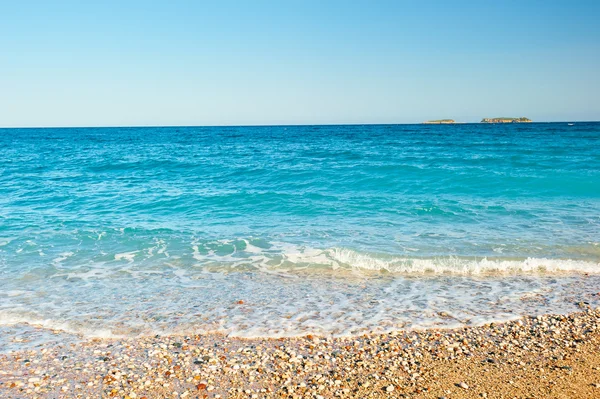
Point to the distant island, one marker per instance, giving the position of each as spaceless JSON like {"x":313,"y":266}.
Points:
{"x":506,"y":120}
{"x":484,"y":120}
{"x":439,"y":122}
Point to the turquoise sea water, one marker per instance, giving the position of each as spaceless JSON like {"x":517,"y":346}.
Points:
{"x":321,"y":229}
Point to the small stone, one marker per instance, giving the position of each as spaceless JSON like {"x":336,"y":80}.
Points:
{"x":390,"y":388}
{"x":463,"y":385}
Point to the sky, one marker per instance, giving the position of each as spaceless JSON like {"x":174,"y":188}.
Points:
{"x":136,"y":63}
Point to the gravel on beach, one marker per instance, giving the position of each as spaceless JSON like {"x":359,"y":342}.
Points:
{"x":550,"y":356}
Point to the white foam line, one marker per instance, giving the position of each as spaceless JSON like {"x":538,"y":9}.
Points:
{"x":460,"y":266}
{"x":52,"y":325}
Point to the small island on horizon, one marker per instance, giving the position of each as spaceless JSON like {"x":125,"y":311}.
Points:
{"x":484,"y":120}
{"x":506,"y":120}
{"x":440,"y":122}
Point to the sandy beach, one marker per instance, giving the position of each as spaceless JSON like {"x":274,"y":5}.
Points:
{"x":551,"y":356}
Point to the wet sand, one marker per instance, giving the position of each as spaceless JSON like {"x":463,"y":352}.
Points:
{"x":551,"y":356}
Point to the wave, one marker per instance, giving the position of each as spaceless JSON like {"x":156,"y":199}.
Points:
{"x":457,"y":265}
{"x":33,"y":319}
{"x":293,"y":257}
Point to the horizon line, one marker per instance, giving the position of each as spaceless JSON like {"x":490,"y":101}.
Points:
{"x":285,"y":124}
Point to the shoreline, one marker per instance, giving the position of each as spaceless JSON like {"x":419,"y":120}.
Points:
{"x":542,"y":356}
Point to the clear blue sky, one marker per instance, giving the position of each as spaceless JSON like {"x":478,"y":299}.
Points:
{"x":76,"y":63}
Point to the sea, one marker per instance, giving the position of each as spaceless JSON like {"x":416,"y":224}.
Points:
{"x":277,"y":231}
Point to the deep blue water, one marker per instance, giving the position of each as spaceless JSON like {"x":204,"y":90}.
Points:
{"x":199,"y":216}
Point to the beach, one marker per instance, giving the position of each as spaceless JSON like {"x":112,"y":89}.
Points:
{"x":551,"y":356}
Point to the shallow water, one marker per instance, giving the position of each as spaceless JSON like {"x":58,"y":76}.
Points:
{"x":322,"y":229}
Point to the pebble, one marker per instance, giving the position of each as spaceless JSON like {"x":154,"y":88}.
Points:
{"x":215,"y":365}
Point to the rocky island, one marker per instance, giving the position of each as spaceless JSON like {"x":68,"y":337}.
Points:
{"x":440,"y":122}
{"x":506,"y":120}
